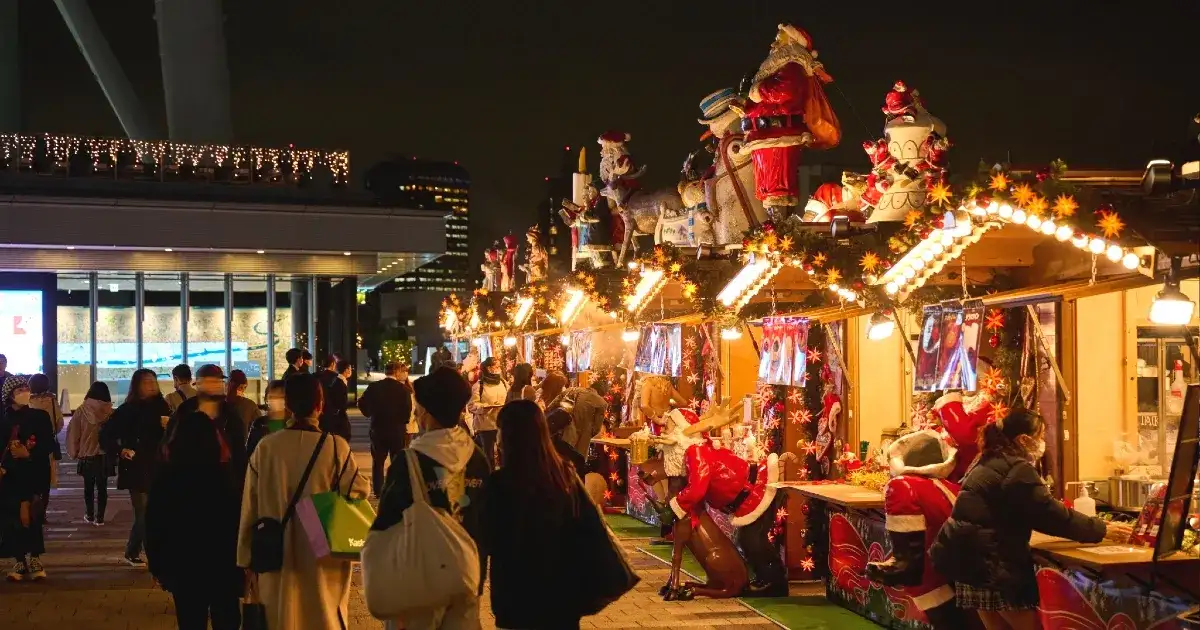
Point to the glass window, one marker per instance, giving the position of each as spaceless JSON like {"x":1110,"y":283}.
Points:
{"x":206,"y":320}
{"x":73,"y":303}
{"x":249,"y":332}
{"x":162,"y":326}
{"x":285,"y":324}
{"x":116,"y":331}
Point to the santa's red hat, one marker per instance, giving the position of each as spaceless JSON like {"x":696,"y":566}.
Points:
{"x":613,"y":137}
{"x":798,"y":35}
{"x":898,"y":100}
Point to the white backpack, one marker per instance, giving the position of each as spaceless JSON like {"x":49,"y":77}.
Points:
{"x":426,"y":561}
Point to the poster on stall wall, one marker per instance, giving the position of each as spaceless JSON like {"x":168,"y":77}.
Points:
{"x":925,"y":378}
{"x":528,"y":353}
{"x":972,"y":332}
{"x":579,"y":353}
{"x":949,"y":350}
{"x":783,"y":351}
{"x":660,"y":350}
{"x":484,"y":344}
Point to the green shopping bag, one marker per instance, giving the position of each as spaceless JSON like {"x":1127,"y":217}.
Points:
{"x":334,"y":525}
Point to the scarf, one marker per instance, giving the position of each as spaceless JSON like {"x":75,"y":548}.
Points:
{"x":489,"y":378}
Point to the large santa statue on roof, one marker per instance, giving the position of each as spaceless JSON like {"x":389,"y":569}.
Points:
{"x":787,"y":113}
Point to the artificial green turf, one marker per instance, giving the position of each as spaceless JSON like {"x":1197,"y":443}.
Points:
{"x":628,"y":527}
{"x":810,"y":612}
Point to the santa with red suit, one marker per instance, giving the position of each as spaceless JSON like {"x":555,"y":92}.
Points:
{"x":830,"y":200}
{"x":827,"y":424}
{"x":962,"y":419}
{"x":917,"y":501}
{"x":719,"y":479}
{"x":787,"y":113}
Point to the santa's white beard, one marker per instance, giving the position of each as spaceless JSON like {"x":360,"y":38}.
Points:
{"x":781,"y":56}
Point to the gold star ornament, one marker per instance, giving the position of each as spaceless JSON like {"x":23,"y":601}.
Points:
{"x":869,"y":262}
{"x":1037,"y":206}
{"x":999,"y":182}
{"x":940,"y":193}
{"x":1065,"y":206}
{"x":1023,"y":194}
{"x":1110,"y":224}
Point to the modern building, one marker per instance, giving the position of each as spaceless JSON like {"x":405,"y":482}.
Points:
{"x":118,"y":254}
{"x":443,"y":187}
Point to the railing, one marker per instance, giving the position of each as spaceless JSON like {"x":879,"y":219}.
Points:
{"x":122,"y":159}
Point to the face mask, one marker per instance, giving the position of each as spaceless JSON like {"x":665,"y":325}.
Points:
{"x":1038,"y":450}
{"x":275,"y":405}
{"x":21,"y":398}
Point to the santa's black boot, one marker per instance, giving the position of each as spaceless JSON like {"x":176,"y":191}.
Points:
{"x":907,"y":563}
{"x":770,"y":576}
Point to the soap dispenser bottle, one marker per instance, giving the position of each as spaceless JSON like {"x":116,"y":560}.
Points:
{"x":1085,"y":504}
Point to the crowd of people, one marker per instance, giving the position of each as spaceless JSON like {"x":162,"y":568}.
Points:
{"x":208,"y":471}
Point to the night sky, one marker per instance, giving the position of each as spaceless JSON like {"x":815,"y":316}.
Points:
{"x":503,"y":86}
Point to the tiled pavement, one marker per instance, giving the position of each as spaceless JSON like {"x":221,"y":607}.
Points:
{"x":89,"y":588}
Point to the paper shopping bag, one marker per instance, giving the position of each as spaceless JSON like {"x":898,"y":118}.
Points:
{"x":334,"y":525}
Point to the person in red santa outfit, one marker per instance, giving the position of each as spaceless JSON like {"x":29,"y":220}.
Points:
{"x":917,"y":501}
{"x":831,"y":412}
{"x":718,"y":478}
{"x":899,"y":102}
{"x":962,"y":419}
{"x":787,"y":113}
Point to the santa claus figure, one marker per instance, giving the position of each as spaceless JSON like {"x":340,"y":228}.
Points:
{"x":618,"y":171}
{"x":917,"y":501}
{"x":491,"y":269}
{"x":720,"y":479}
{"x":831,"y":412}
{"x":675,"y":441}
{"x":963,"y":417}
{"x":787,"y":113}
{"x":508,"y":267}
{"x":832,"y":200}
{"x":900,"y":103}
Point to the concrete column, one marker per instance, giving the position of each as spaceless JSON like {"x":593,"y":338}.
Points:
{"x":10,"y":68}
{"x":105,"y":67}
{"x":195,"y":71}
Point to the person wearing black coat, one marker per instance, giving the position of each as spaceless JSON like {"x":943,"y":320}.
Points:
{"x":334,"y":418}
{"x":192,"y":522}
{"x":388,"y":403}
{"x":26,"y":448}
{"x":135,"y":432}
{"x":226,"y":421}
{"x":984,"y":547}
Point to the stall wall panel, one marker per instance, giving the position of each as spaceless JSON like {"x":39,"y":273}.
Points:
{"x":1100,"y":358}
{"x":880,"y":382}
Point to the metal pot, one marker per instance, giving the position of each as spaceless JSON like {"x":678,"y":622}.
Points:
{"x":1128,"y":494}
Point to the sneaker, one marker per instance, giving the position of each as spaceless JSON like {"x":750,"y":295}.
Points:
{"x":36,"y":571}
{"x":18,"y":571}
{"x":135,"y":562}
{"x":98,"y":522}
{"x":89,"y":520}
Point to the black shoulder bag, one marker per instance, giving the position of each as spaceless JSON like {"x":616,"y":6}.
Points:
{"x":267,"y":535}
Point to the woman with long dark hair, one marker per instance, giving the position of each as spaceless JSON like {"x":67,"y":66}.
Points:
{"x":135,"y":433}
{"x":522,"y":384}
{"x":984,"y":547}
{"x":192,"y":529}
{"x":533,"y":501}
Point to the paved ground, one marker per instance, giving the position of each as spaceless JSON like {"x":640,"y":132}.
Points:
{"x":89,"y":588}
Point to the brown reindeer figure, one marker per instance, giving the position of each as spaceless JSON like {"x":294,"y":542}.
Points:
{"x":726,"y":572}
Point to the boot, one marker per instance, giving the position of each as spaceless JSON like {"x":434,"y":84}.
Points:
{"x":907,"y":563}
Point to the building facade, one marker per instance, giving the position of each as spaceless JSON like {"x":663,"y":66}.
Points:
{"x":117,"y":255}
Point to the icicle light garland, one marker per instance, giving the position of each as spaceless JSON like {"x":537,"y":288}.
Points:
{"x":107,"y":154}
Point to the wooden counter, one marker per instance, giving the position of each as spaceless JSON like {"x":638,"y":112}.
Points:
{"x":614,"y":442}
{"x":842,"y":494}
{"x":1101,"y":556}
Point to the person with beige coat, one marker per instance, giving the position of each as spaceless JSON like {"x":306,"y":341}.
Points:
{"x":308,"y":593}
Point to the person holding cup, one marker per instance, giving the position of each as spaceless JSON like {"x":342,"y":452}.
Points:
{"x":136,"y":432}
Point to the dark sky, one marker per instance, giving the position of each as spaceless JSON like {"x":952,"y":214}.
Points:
{"x":503,"y":86}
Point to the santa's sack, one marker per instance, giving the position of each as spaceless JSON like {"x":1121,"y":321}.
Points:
{"x":334,"y":525}
{"x":426,"y":561}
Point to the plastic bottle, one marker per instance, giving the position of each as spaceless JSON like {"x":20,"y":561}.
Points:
{"x":1085,"y":504}
{"x":1175,"y":390}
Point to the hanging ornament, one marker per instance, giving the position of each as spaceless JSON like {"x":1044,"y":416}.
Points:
{"x":994,"y":340}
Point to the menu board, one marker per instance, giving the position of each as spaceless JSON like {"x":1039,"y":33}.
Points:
{"x":948,"y":348}
{"x":784,"y":350}
{"x":660,"y":350}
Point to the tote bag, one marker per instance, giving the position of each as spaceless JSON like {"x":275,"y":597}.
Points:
{"x":426,"y":561}
{"x":335,"y":525}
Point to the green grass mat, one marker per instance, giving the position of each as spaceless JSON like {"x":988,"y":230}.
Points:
{"x":809,"y":612}
{"x":812,"y":612}
{"x":628,"y":527}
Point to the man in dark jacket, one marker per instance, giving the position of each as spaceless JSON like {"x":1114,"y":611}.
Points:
{"x":455,"y":474}
{"x":336,"y":383}
{"x":298,"y":362}
{"x":388,"y":403}
{"x":211,"y":400}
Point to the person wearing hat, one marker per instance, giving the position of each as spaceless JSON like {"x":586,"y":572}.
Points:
{"x":212,"y":401}
{"x":917,"y":501}
{"x":536,"y":260}
{"x":787,"y":113}
{"x":28,"y":436}
{"x":963,"y":418}
{"x":457,"y":474}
